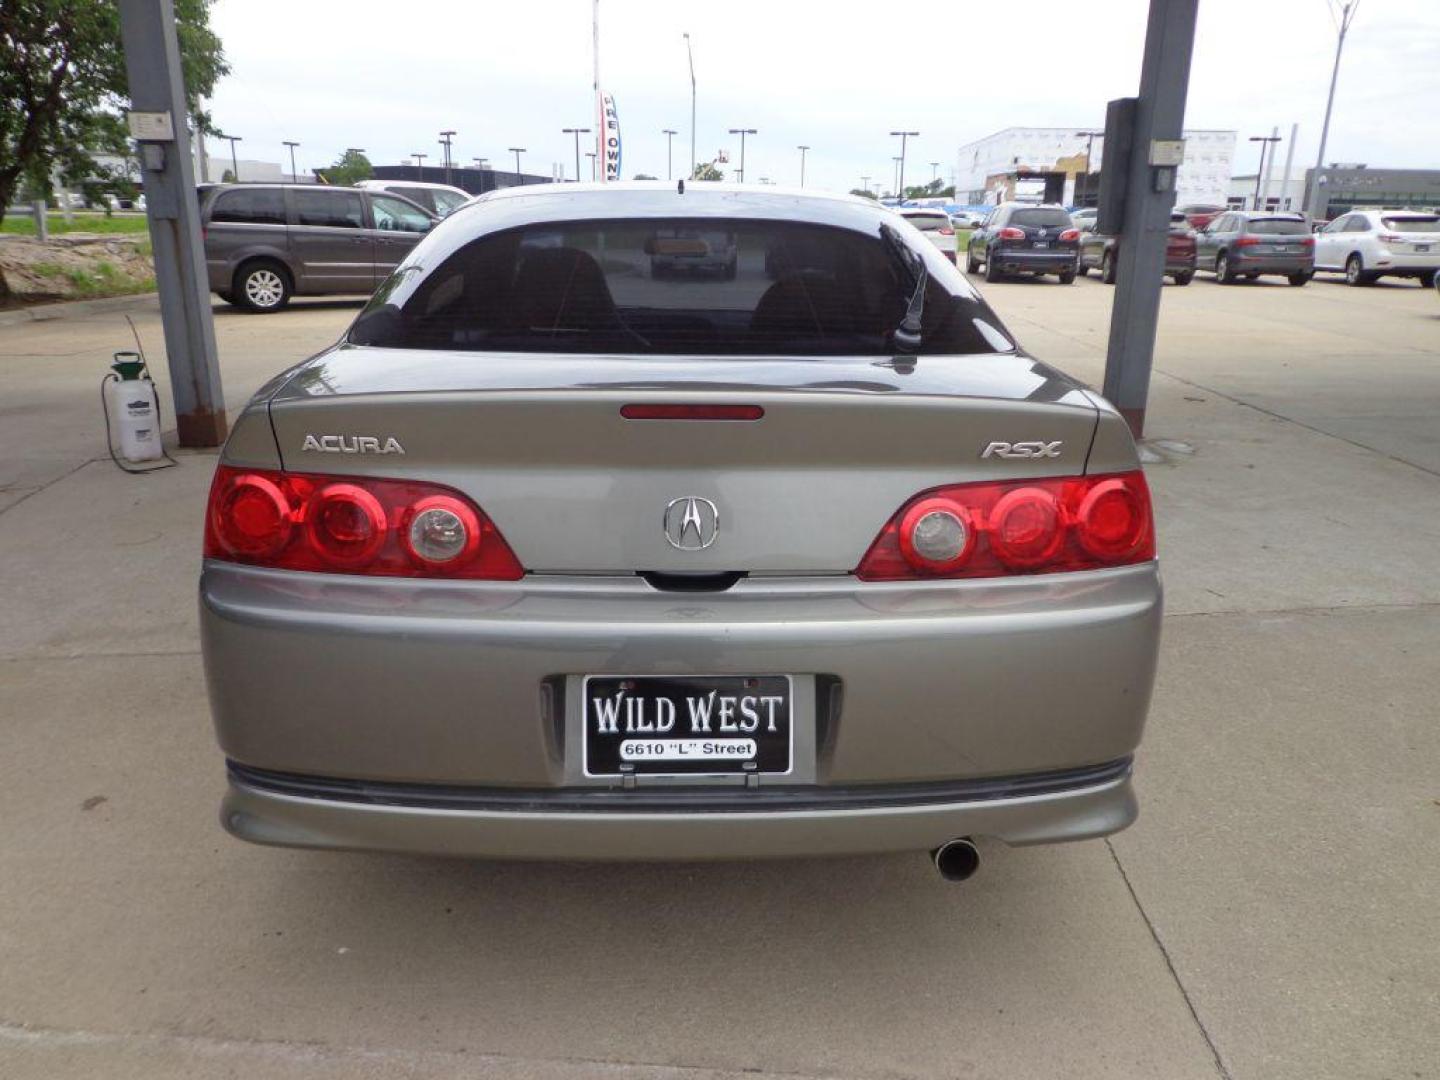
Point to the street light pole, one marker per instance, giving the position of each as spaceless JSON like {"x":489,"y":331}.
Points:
{"x":802,"y":150}
{"x":517,"y":151}
{"x":445,"y":142}
{"x":895,"y":177}
{"x":900,"y":183}
{"x":689,"y":52}
{"x":234,"y":161}
{"x":669,"y":153}
{"x":1264,"y":141}
{"x":1342,"y":27}
{"x":294,"y":178}
{"x":577,"y":132}
{"x":934,"y":171}
{"x":865,"y":183}
{"x":742,"y":132}
{"x":592,"y":158}
{"x":419,"y":165}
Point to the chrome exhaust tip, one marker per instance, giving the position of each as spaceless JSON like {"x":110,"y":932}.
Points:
{"x":957,"y":860}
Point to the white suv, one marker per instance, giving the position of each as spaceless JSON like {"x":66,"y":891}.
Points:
{"x":1366,"y":245}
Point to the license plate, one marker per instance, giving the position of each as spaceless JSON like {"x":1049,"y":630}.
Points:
{"x":679,"y":725}
{"x":1422,"y":247}
{"x":1285,"y":249}
{"x":1042,"y":243}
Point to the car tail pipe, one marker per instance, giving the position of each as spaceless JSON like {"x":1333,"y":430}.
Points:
{"x":957,"y":860}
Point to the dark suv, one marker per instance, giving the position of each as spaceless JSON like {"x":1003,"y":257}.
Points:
{"x":1248,"y":243}
{"x":265,"y":243}
{"x":1023,"y":237}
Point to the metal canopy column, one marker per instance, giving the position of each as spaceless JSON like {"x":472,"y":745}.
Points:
{"x":1159,"y":114}
{"x":152,"y":63}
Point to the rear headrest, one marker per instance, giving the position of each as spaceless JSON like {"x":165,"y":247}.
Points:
{"x":561,"y":289}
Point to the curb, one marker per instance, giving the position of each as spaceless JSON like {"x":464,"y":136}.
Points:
{"x":77,"y":308}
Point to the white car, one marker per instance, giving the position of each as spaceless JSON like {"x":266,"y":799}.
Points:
{"x":439,"y":199}
{"x":935,"y":224}
{"x":1366,"y":245}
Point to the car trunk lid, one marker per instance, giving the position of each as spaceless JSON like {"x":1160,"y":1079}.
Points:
{"x":541,"y":445}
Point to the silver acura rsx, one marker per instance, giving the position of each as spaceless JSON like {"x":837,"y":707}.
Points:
{"x":652,"y":521}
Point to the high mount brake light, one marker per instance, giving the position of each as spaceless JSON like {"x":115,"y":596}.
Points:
{"x":1017,"y":527}
{"x":352,"y":525}
{"x":691,"y":412}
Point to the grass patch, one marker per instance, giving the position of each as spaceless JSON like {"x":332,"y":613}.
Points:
{"x":126,"y":224}
{"x":105,"y":279}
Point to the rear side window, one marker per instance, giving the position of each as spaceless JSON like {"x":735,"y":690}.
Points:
{"x":1279,"y":227}
{"x":257,"y":206}
{"x":1041,"y":219}
{"x":445,"y":201}
{"x":1412,"y":224}
{"x":337,"y":209}
{"x":674,"y":287}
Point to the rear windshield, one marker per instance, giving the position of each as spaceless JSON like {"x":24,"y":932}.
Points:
{"x":1412,"y":224}
{"x":929,"y":222}
{"x":1041,"y":219}
{"x":1279,"y":226}
{"x":676,"y":287}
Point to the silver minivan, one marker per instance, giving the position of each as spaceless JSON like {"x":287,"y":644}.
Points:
{"x":265,"y":243}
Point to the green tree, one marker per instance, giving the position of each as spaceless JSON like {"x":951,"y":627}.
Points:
{"x":706,"y":170}
{"x":349,"y":168}
{"x":63,"y":90}
{"x":645,"y":176}
{"x":864,"y":193}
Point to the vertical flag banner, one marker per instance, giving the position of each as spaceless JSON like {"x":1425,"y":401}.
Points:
{"x":608,"y":136}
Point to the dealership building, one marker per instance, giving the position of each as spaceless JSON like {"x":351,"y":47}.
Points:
{"x":1342,"y":187}
{"x":1049,"y":164}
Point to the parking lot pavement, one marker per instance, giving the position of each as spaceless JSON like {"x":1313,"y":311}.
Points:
{"x":1271,"y":915}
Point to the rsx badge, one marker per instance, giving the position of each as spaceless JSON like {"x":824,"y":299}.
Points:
{"x":1023,"y":449}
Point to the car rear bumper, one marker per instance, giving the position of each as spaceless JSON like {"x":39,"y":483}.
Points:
{"x":1409,"y":262}
{"x":1272,"y":264}
{"x":477,"y":686}
{"x":295,"y":811}
{"x":1045,"y":262}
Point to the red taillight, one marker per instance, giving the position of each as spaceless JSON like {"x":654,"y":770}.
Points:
{"x":692,"y":412}
{"x":1011,"y":233}
{"x":1021,"y":527}
{"x":945,"y":230}
{"x":1308,"y":241}
{"x":252,"y":518}
{"x":1389,"y":238}
{"x":352,"y":525}
{"x":346,"y":525}
{"x":1246,"y":241}
{"x":1070,"y":234}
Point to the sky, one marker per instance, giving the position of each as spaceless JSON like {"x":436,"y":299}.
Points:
{"x":836,"y":76}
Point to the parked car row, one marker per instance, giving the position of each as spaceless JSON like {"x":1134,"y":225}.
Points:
{"x":1233,"y":245}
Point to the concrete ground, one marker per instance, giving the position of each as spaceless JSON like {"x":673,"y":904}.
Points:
{"x":1273,"y":915}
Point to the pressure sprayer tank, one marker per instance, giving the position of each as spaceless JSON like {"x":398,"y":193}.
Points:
{"x":133,"y":408}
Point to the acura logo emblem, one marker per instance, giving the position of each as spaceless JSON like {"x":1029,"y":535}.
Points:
{"x":691,"y":523}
